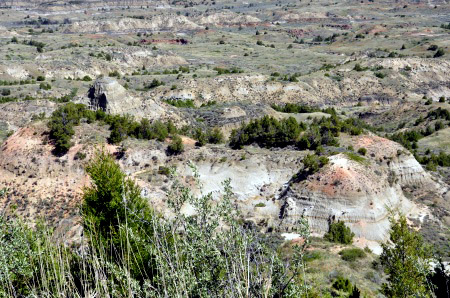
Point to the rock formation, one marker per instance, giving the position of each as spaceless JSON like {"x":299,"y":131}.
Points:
{"x":358,"y":191}
{"x":108,"y":95}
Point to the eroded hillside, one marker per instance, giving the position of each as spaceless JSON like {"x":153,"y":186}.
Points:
{"x":328,"y":111}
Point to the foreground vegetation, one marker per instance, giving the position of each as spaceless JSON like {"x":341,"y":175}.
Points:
{"x":129,"y":250}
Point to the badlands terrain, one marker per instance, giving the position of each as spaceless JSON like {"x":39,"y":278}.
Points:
{"x":367,"y":82}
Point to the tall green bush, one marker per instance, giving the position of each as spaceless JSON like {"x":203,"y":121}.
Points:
{"x":338,"y":232}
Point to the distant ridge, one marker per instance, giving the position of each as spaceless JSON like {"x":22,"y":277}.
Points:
{"x":52,"y":5}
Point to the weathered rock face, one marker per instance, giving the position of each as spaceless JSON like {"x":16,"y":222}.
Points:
{"x":359,"y":193}
{"x":346,"y":190}
{"x":60,"y":5}
{"x":108,"y":95}
{"x":411,"y":173}
{"x":356,"y":192}
{"x":157,"y":23}
{"x":321,"y":90}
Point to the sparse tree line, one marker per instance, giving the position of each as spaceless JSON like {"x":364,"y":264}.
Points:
{"x":269,"y":132}
{"x":410,"y":138}
{"x":39,"y":45}
{"x":266,"y":132}
{"x":65,"y":118}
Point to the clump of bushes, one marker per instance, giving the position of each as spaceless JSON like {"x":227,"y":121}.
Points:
{"x":45,"y":86}
{"x":180,"y":103}
{"x":153,"y":84}
{"x":439,"y":113}
{"x":408,"y":139}
{"x":301,"y":108}
{"x":314,"y":163}
{"x":6,"y":92}
{"x":124,"y":126}
{"x":439,"y":53}
{"x":358,"y":67}
{"x":80,"y":155}
{"x":362,"y":151}
{"x":162,"y":170}
{"x":65,"y":118}
{"x":432,"y":161}
{"x":62,"y":123}
{"x":176,"y":146}
{"x":343,"y":287}
{"x":352,"y":254}
{"x":338,"y":232}
{"x":214,"y":136}
{"x":266,"y":132}
{"x":221,"y":70}
{"x":269,"y":132}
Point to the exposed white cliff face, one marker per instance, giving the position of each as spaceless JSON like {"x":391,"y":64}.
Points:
{"x":411,"y":173}
{"x":156,"y":23}
{"x":359,"y":193}
{"x":356,"y":193}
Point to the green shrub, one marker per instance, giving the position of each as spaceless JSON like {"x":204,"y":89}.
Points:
{"x":114,"y":73}
{"x":352,"y":254}
{"x":439,"y":53}
{"x":260,"y":205}
{"x":221,"y":71}
{"x":295,"y":108}
{"x":62,"y":124}
{"x":358,"y":67}
{"x":120,"y":128}
{"x":343,"y":285}
{"x":162,"y":170}
{"x":45,"y":86}
{"x":404,"y":260}
{"x":153,"y":84}
{"x":40,"y":78}
{"x":79,"y":155}
{"x":312,"y":255}
{"x":201,"y":137}
{"x":176,"y":146}
{"x":362,"y":151}
{"x":111,"y":201}
{"x":6,"y":92}
{"x":215,"y":136}
{"x":17,"y":252}
{"x":181,"y":103}
{"x":314,"y":163}
{"x":339,"y":233}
